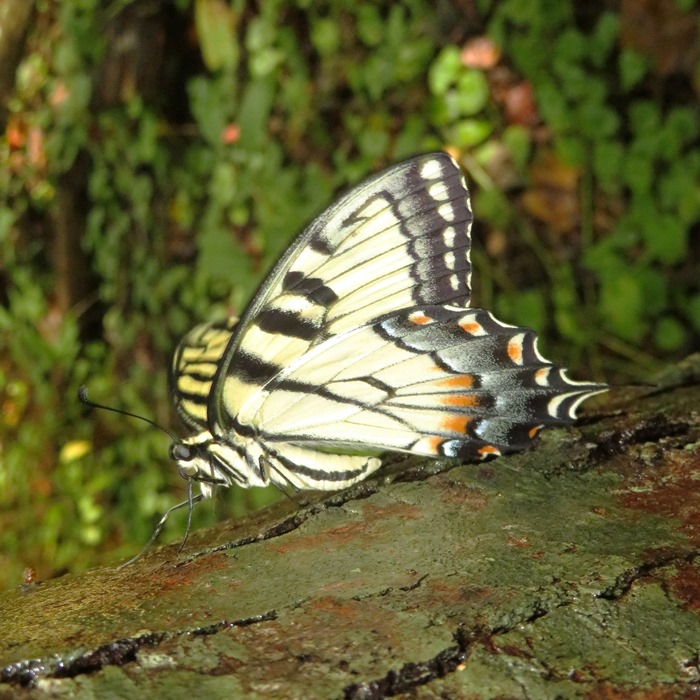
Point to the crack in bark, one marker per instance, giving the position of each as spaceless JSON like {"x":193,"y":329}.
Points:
{"x":413,"y":586}
{"x":414,"y":674}
{"x":449,"y":660}
{"x":283,"y":527}
{"x":615,"y":442}
{"x":117,"y":653}
{"x":390,"y":589}
{"x":624,"y":581}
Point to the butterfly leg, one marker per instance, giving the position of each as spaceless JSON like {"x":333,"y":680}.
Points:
{"x":189,"y":503}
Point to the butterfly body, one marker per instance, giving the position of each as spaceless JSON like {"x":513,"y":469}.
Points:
{"x":361,"y":342}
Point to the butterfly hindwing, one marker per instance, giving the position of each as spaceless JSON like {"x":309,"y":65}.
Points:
{"x":193,"y":368}
{"x":433,"y":380}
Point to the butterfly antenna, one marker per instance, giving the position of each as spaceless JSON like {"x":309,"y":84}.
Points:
{"x":83,"y":396}
{"x":191,"y":499}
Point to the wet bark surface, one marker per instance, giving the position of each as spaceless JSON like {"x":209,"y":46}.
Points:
{"x":572,"y":570}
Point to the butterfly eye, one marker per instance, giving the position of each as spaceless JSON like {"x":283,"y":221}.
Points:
{"x":181,"y":453}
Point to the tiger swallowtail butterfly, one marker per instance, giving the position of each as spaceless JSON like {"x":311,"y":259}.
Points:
{"x":361,"y":342}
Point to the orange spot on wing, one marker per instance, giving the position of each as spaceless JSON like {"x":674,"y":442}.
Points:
{"x":470,"y":327}
{"x":542,"y":373}
{"x":461,"y":381}
{"x":533,"y":431}
{"x":515,"y":351}
{"x":488,"y":450}
{"x":460,"y":400}
{"x":419,"y":318}
{"x":430,"y":445}
{"x":456,"y":424}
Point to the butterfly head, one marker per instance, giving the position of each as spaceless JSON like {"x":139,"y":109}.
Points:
{"x":212,"y":462}
{"x":186,"y":458}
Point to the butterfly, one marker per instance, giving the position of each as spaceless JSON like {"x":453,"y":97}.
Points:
{"x":361,"y":342}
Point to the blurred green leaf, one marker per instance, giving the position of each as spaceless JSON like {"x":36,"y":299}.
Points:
{"x":693,"y":309}
{"x":530,"y":309}
{"x":686,"y":5}
{"x":572,"y":149}
{"x":472,"y":92}
{"x":409,"y":139}
{"x":607,"y":164}
{"x":604,"y":38}
{"x":325,"y":36}
{"x":655,"y":291}
{"x":621,"y":305}
{"x":444,"y":70}
{"x":518,"y":140}
{"x":570,"y":46}
{"x":638,"y":173}
{"x":256,"y":104}
{"x":633,"y":67}
{"x":553,"y":104}
{"x":470,"y":132}
{"x":210,"y":109}
{"x":666,"y":238}
{"x":215,"y":23}
{"x":669,"y":334}
{"x":373,"y":142}
{"x":566,"y":304}
{"x":370,"y":26}
{"x":223,"y":184}
{"x":493,"y":206}
{"x":598,"y":122}
{"x":220,"y":257}
{"x":644,"y":118}
{"x":677,"y":190}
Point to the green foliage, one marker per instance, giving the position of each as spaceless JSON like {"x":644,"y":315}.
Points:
{"x":634,"y":145}
{"x":182,"y":215}
{"x":460,"y":96}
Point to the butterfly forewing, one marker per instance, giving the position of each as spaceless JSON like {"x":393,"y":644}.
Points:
{"x":401,"y":238}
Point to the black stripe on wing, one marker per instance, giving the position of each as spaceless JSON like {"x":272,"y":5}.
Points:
{"x":313,"y":288}
{"x":287,"y":323}
{"x":253,"y":369}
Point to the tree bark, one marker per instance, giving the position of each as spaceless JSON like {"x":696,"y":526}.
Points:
{"x":571,"y":570}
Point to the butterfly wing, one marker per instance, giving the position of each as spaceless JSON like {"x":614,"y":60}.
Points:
{"x":399,"y":239}
{"x":360,"y":341}
{"x":432,"y":380}
{"x":193,"y":368}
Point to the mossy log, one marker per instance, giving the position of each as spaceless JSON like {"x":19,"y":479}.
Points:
{"x":572,"y":570}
